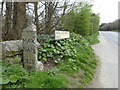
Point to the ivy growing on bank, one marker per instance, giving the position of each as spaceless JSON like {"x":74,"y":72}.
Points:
{"x":73,"y":58}
{"x":66,"y":48}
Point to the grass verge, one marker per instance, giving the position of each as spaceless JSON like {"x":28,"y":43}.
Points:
{"x":93,"y":39}
{"x":74,"y":66}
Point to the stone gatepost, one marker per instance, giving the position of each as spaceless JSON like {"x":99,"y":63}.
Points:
{"x":30,"y":52}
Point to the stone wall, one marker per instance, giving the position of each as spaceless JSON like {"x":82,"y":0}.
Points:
{"x":11,"y":50}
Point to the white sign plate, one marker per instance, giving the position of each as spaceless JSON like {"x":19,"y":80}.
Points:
{"x":62,"y":35}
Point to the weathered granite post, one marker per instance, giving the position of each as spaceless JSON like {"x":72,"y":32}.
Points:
{"x":1,"y":38}
{"x":30,"y":45}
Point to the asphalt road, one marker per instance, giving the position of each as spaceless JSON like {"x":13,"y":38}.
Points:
{"x":107,"y":52}
{"x":112,"y":36}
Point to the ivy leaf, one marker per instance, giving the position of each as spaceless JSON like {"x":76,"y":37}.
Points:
{"x":49,"y":54}
{"x":59,"y":44}
{"x":56,"y":61}
{"x":59,"y":57}
{"x":55,"y":51}
{"x":4,"y":80}
{"x":52,"y":46}
{"x":45,"y":45}
{"x":44,"y":50}
{"x":18,"y":59}
{"x":58,"y":52}
{"x":44,"y":55}
{"x":13,"y":78}
{"x":45,"y":59}
{"x":39,"y":57}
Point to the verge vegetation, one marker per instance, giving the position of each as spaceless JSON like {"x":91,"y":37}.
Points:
{"x":71,"y":64}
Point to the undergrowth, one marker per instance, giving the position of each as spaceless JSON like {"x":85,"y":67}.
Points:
{"x":93,"y":39}
{"x":73,"y":57}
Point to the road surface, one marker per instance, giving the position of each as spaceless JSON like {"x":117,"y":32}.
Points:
{"x":107,"y":51}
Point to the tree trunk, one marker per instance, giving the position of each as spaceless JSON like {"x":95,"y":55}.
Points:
{"x":19,"y":18}
{"x":48,"y":17}
{"x":7,"y":33}
{"x":36,"y":16}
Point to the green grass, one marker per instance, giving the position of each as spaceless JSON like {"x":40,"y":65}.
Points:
{"x":45,"y":80}
{"x":86,"y":64}
{"x":93,"y":39}
{"x":75,"y":61}
{"x":115,"y":30}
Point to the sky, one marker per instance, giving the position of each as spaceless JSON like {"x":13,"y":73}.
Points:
{"x":108,"y":10}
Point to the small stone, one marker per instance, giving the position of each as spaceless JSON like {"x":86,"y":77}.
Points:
{"x":39,"y":66}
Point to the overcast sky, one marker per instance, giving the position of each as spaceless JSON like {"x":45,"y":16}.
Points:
{"x":108,"y":9}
